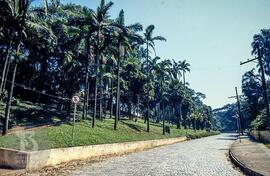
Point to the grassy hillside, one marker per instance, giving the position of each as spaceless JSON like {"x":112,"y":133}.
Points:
{"x":61,"y":136}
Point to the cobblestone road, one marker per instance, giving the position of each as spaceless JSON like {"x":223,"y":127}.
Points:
{"x":204,"y":157}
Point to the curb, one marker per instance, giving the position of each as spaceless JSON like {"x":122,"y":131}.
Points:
{"x":242,"y":166}
{"x":35,"y":160}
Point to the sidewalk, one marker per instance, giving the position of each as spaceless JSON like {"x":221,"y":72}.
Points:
{"x":252,"y":157}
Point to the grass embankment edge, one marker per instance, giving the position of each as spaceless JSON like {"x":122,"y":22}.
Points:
{"x":61,"y":136}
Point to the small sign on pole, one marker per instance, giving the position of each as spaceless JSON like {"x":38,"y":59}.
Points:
{"x":75,"y":100}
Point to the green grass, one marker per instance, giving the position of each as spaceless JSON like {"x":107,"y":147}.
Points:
{"x":26,"y":113}
{"x":61,"y":136}
{"x":267,"y":145}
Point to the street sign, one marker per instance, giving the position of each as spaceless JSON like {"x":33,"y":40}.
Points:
{"x":76,"y":99}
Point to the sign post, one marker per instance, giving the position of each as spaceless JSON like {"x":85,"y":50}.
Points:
{"x":75,"y":100}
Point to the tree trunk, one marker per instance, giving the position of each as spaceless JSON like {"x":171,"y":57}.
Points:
{"x":96,"y":81}
{"x":138,"y":107}
{"x":8,"y":106}
{"x":6,"y":77}
{"x":163,"y":118}
{"x":163,"y":113}
{"x":179,"y":116}
{"x":184,"y":78}
{"x":101,"y":100}
{"x":111,"y":99}
{"x":118,"y":94}
{"x":148,"y":106}
{"x":86,"y":85}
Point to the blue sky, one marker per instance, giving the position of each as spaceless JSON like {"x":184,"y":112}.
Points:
{"x":212,"y":35}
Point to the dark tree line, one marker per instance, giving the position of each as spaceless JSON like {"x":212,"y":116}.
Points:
{"x":66,"y":50}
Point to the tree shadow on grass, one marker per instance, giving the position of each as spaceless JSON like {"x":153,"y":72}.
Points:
{"x":133,"y":126}
{"x":35,"y":117}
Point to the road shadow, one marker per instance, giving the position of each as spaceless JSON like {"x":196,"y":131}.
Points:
{"x":227,"y":139}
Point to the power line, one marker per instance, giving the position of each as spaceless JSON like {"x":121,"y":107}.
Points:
{"x":54,"y":96}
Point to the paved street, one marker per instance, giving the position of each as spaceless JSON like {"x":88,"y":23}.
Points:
{"x":206,"y":156}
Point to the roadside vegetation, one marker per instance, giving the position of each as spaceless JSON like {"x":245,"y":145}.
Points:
{"x":61,"y":136}
{"x":55,"y":51}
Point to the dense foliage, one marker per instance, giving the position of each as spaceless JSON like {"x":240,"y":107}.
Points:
{"x":54,"y":52}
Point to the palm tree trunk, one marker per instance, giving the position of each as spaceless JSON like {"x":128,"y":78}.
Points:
{"x":184,"y":79}
{"x":96,"y":81}
{"x":148,"y":106}
{"x":95,"y":101}
{"x":7,"y":111}
{"x":111,"y":99}
{"x":6,"y":77}
{"x":163,"y":118}
{"x":85,"y":96}
{"x":178,"y":120}
{"x":163,"y":115}
{"x":138,"y":107}
{"x":117,"y":115}
{"x":86,"y":85}
{"x":100,"y":101}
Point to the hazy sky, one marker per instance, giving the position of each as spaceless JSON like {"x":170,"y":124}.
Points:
{"x":212,"y":35}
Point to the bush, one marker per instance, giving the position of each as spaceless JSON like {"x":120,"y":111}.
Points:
{"x":260,"y":123}
{"x":201,"y":134}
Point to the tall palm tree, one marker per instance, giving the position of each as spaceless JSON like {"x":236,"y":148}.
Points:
{"x":263,"y":40}
{"x":127,"y":37}
{"x":184,"y":66}
{"x":162,"y":71}
{"x":150,"y":42}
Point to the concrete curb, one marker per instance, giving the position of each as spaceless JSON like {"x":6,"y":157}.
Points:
{"x":242,"y":166}
{"x":35,"y":160}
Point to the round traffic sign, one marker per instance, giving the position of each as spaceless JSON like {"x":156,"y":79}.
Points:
{"x":75,"y":99}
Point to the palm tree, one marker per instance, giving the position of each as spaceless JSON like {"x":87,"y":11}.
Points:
{"x":184,"y":66}
{"x":177,"y":94}
{"x":263,"y":40}
{"x":150,"y":42}
{"x":162,"y":70}
{"x":126,"y":38}
{"x":176,"y":70}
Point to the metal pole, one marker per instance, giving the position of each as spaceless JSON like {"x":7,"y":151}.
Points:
{"x":74,"y":118}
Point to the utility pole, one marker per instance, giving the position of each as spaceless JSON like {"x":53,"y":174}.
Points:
{"x":264,"y":86}
{"x":239,"y":118}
